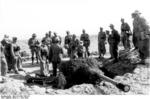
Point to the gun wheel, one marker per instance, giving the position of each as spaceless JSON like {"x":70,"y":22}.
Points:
{"x":126,"y":88}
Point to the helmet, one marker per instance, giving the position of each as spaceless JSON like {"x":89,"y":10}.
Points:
{"x":33,"y":35}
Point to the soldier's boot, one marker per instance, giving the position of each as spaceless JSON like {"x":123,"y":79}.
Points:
{"x":4,"y":67}
{"x":37,"y":61}
{"x":37,"y":58}
{"x":32,"y":60}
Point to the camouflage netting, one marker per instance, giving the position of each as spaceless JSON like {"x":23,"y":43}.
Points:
{"x":126,"y":64}
{"x":81,"y":71}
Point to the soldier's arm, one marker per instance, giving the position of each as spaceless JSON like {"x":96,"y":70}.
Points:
{"x":29,"y":41}
{"x":104,"y":36}
{"x":12,"y":51}
{"x":39,"y":54}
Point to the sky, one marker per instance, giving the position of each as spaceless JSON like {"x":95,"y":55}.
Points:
{"x":21,"y":18}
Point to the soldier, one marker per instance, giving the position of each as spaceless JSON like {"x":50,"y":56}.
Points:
{"x":5,"y":40}
{"x":53,"y":38}
{"x":3,"y":66}
{"x":67,"y":42}
{"x":81,"y":50}
{"x":33,"y":45}
{"x":101,"y":43}
{"x":114,"y":41}
{"x":47,"y":39}
{"x":125,"y":34}
{"x":109,"y":42}
{"x":44,"y":50}
{"x":141,"y":35}
{"x":15,"y":56}
{"x":56,"y":52}
{"x":73,"y":46}
{"x":86,"y":41}
{"x":44,"y":58}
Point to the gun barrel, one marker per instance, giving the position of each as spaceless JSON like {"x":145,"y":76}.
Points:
{"x":120,"y":86}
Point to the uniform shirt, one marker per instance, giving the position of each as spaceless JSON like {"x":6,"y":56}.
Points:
{"x":140,"y":25}
{"x":33,"y":43}
{"x":53,"y":39}
{"x":125,"y":27}
{"x":3,"y":42}
{"x":73,"y":44}
{"x":85,"y":39}
{"x":44,"y":50}
{"x":115,"y":37}
{"x":48,"y":40}
{"x":67,"y":39}
{"x":7,"y":49}
{"x":101,"y":37}
{"x":55,"y":53}
{"x":2,"y":51}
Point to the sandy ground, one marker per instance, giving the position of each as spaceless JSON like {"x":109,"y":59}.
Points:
{"x":15,"y":84}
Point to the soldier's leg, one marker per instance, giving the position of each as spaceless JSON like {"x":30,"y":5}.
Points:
{"x":99,"y":50}
{"x":8,"y":63}
{"x":144,"y":49}
{"x":111,"y":51}
{"x":115,"y":51}
{"x":15,"y":65}
{"x":19,"y":64}
{"x":32,"y":57}
{"x":43,"y":68}
{"x":135,"y":42}
{"x":37,"y":58}
{"x":87,"y":50}
{"x":124,"y":42}
{"x":104,"y":49}
{"x":128,"y":42}
{"x":54,"y":68}
{"x":4,"y":67}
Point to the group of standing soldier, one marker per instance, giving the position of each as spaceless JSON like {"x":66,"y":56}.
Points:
{"x":75,"y":47}
{"x":140,"y":38}
{"x":50,"y":50}
{"x":10,"y":56}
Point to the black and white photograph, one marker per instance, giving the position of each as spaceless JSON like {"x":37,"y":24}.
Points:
{"x":74,"y":47}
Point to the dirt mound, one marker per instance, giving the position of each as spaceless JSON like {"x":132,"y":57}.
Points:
{"x":12,"y":88}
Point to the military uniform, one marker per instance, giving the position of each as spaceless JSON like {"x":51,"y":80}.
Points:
{"x":54,"y":39}
{"x":73,"y":46}
{"x":4,"y":66}
{"x":141,"y":36}
{"x":114,"y":40}
{"x":7,"y":52}
{"x":101,"y":43}
{"x":68,"y":39}
{"x":48,"y":41}
{"x":17,"y":64}
{"x":33,"y":45}
{"x":44,"y":58}
{"x":81,"y":51}
{"x":56,"y":52}
{"x":86,"y":42}
{"x":125,"y":32}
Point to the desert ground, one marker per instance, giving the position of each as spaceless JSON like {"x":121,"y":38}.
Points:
{"x":15,"y":85}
